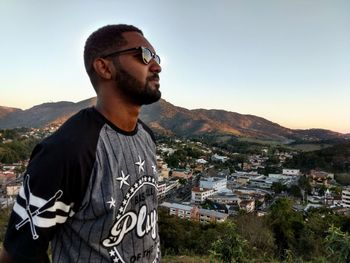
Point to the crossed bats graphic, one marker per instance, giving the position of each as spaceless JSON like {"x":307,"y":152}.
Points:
{"x":40,"y":210}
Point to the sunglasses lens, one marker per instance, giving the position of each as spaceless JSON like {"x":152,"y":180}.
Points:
{"x":147,"y":56}
{"x":157,"y":59}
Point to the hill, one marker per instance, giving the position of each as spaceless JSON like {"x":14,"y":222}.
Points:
{"x":334,"y":159}
{"x":168,"y":119}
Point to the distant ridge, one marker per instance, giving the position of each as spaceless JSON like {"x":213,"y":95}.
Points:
{"x":168,"y":119}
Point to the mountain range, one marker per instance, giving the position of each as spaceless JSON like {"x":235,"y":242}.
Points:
{"x":167,"y":119}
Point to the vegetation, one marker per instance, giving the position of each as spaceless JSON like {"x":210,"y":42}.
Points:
{"x":284,"y":235}
{"x":334,"y":159}
{"x":15,"y":147}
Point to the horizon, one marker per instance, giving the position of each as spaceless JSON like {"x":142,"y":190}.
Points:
{"x":287,"y":62}
{"x":310,"y":128}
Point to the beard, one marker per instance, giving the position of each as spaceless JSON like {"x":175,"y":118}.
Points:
{"x":135,"y":91}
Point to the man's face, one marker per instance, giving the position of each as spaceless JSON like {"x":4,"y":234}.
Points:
{"x":137,"y":82}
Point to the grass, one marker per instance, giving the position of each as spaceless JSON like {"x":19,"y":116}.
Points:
{"x":309,"y":147}
{"x":260,"y":141}
{"x":186,"y":259}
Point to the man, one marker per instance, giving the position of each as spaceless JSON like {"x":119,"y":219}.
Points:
{"x":90,"y":188}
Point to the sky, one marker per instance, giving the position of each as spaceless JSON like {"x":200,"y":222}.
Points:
{"x":287,"y":61}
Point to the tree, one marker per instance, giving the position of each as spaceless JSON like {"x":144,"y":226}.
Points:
{"x":230,"y":247}
{"x":287,"y":225}
{"x":304,"y":184}
{"x":294,"y":190}
{"x":338,"y":245}
{"x":277,"y":187}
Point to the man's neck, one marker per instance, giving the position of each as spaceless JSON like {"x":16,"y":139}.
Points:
{"x":122,"y":114}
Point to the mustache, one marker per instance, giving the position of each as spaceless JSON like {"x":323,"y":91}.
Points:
{"x":154,"y":76}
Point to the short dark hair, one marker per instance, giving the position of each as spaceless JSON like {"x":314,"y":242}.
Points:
{"x":103,"y":40}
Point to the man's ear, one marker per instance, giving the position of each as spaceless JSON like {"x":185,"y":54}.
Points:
{"x":103,"y":68}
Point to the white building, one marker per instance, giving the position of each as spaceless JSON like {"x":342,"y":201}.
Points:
{"x":161,"y":189}
{"x":201,"y":161}
{"x":345,"y":197}
{"x":207,"y":216}
{"x":264,"y":183}
{"x":214,"y":183}
{"x":194,"y":213}
{"x":227,"y":198}
{"x":199,"y":195}
{"x":291,"y":172}
{"x":182,"y":211}
{"x":279,"y":176}
{"x":220,"y":158}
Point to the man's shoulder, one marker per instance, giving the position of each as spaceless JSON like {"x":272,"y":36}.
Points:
{"x":81,"y":129}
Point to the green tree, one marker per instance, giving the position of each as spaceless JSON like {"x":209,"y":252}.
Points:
{"x":287,"y":225}
{"x":338,"y":245}
{"x":277,"y":187}
{"x":230,"y":247}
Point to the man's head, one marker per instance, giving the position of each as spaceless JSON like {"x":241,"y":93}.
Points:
{"x":120,"y":56}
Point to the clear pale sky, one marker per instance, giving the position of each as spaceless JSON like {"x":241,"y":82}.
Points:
{"x":287,"y":61}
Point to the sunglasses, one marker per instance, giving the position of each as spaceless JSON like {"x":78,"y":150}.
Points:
{"x":147,"y":55}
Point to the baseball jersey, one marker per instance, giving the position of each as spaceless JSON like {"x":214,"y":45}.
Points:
{"x":91,"y":190}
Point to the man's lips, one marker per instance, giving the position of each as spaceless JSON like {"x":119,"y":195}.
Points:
{"x":154,"y":78}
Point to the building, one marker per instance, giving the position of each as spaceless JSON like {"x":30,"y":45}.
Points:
{"x":194,"y":213}
{"x":345,"y":197}
{"x":182,"y":211}
{"x":210,"y":216}
{"x":219,"y":158}
{"x":199,"y":195}
{"x":214,"y":183}
{"x":182,"y":173}
{"x":247,"y":205}
{"x":261,"y":182}
{"x":291,"y":172}
{"x":227,"y":198}
{"x":161,"y":189}
{"x":320,"y":177}
{"x":163,"y":169}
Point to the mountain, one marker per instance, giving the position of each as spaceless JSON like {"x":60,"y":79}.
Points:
{"x":43,"y":114}
{"x":168,"y":119}
{"x":4,"y":111}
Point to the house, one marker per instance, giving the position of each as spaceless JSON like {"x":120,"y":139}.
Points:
{"x":182,"y":173}
{"x":320,"y":177}
{"x":247,"y":205}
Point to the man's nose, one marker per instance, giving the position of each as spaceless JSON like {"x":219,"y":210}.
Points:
{"x":155,"y":67}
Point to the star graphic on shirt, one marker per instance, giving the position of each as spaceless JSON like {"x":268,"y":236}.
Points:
{"x":112,"y":253}
{"x":111,"y":203}
{"x":140,"y":163}
{"x":123,"y":179}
